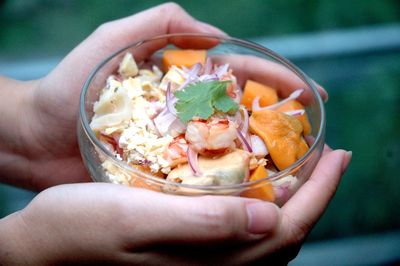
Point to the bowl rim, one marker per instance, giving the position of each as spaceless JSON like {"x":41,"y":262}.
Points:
{"x":221,"y":38}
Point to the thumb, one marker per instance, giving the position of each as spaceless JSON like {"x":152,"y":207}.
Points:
{"x":161,"y":218}
{"x":310,"y":201}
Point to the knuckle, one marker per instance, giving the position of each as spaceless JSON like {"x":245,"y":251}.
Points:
{"x":219,"y":219}
{"x":172,"y":7}
{"x":103,"y":29}
{"x":298,"y":232}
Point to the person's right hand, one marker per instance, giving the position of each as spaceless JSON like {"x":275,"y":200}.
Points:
{"x":106,"y":224}
{"x":38,"y":140}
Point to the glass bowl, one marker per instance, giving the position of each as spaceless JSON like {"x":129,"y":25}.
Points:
{"x":248,"y":60}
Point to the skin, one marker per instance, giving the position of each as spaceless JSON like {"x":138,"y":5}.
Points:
{"x":269,"y":73}
{"x":106,"y":224}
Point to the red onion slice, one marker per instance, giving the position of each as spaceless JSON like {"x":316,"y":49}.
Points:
{"x":170,"y":100}
{"x":237,"y":119}
{"x":294,"y":95}
{"x":244,"y":125}
{"x":208,"y":77}
{"x":163,"y":120}
{"x":167,"y":123}
{"x":298,"y":112}
{"x":191,"y":75}
{"x":194,"y":71}
{"x":185,"y":70}
{"x":221,"y":70}
{"x":183,"y":85}
{"x":176,"y":128}
{"x":207,"y":66}
{"x":180,"y":71}
{"x":192,"y":156}
{"x":256,"y":104}
{"x":244,"y":141}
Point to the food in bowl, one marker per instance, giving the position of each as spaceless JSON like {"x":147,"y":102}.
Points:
{"x":190,"y":122}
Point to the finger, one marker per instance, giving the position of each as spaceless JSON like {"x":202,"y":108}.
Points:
{"x":302,"y":210}
{"x":107,"y":39}
{"x":161,"y":219}
{"x":269,"y":73}
{"x":326,"y":150}
{"x":163,"y":19}
{"x":322,"y":91}
{"x":305,"y":207}
{"x":166,"y":18}
{"x":111,"y":36}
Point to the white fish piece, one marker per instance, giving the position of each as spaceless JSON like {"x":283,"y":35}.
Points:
{"x":174,"y":77}
{"x":112,"y":109}
{"x":128,"y":67}
{"x":228,"y":169}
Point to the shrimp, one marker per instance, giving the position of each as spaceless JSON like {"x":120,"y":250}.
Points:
{"x":111,"y":144}
{"x":176,"y":153}
{"x":213,"y":135}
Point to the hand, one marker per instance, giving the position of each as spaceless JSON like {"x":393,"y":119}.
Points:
{"x":270,"y":73}
{"x":106,"y":224}
{"x":45,"y":151}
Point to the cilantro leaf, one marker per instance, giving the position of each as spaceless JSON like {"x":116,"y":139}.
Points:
{"x":187,"y":110}
{"x":222,"y":102}
{"x":203,"y":99}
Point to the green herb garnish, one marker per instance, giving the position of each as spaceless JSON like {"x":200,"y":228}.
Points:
{"x":202,"y":99}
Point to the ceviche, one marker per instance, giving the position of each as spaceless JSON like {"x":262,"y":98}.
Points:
{"x":190,"y":122}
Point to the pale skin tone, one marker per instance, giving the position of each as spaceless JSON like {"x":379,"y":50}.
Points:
{"x":105,"y":224}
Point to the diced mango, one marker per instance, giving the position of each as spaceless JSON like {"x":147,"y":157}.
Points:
{"x":265,"y":191}
{"x":253,"y":89}
{"x":281,"y":133}
{"x":139,"y":182}
{"x":296,"y":105}
{"x":185,"y":58}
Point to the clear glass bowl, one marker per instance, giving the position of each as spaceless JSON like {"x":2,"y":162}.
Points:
{"x":248,"y":61}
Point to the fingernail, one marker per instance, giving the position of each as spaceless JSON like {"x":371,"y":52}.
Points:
{"x":207,"y":28}
{"x":262,"y":217}
{"x":326,"y":98}
{"x":347,"y":160}
{"x":323,"y":92}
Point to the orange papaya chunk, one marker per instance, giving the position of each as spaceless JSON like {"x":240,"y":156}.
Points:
{"x":253,"y":89}
{"x":140,"y":182}
{"x":296,"y":105}
{"x":264,"y":192}
{"x":282,"y":135}
{"x":183,"y":57}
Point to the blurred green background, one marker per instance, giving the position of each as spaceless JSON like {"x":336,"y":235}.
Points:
{"x":48,"y":27}
{"x":363,"y":112}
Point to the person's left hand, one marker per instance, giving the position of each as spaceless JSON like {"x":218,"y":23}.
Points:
{"x":49,"y":153}
{"x":107,"y":224}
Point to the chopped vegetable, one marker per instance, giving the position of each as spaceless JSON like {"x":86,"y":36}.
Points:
{"x":203,"y":99}
{"x":264,"y":191}
{"x":142,"y":183}
{"x":185,"y":58}
{"x":192,"y":156}
{"x":267,"y":95}
{"x":292,"y":96}
{"x":282,"y":134}
{"x":245,"y":144}
{"x":296,"y":105}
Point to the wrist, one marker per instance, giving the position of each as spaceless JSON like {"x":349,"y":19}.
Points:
{"x":15,"y":110}
{"x":16,"y":246}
